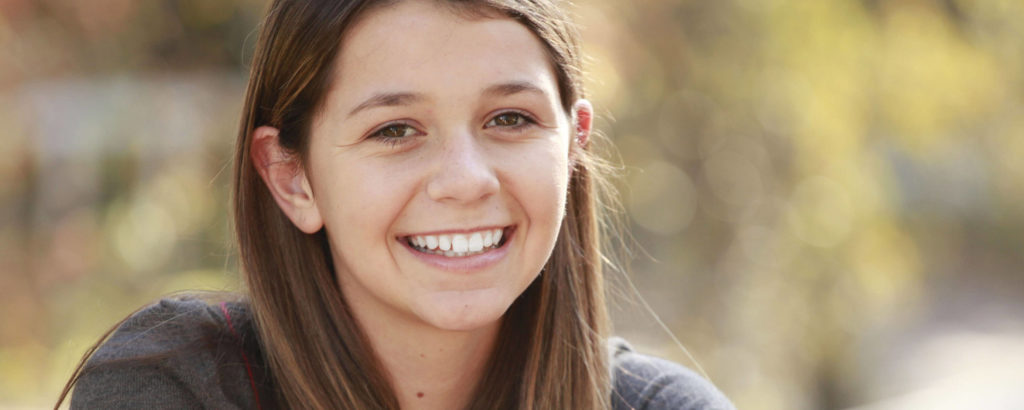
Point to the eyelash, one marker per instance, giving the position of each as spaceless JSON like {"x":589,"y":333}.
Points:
{"x":527,"y":120}
{"x":392,"y":142}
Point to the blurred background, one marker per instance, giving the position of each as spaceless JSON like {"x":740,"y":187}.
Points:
{"x":825,"y":195}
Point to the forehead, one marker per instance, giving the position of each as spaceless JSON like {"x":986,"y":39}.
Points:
{"x":425,"y":47}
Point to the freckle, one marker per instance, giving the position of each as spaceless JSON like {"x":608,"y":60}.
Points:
{"x":420,"y":394}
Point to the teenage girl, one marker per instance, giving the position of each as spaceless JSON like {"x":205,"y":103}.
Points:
{"x":417,"y":214}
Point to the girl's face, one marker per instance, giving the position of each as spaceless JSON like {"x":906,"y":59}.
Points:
{"x":439,"y":165}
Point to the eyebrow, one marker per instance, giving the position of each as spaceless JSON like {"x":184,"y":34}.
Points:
{"x":393,"y":99}
{"x":514,"y":87}
{"x":387,"y":100}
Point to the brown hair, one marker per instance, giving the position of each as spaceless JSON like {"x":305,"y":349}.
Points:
{"x":551,"y":352}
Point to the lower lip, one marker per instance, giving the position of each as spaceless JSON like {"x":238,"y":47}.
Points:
{"x":464,"y":264}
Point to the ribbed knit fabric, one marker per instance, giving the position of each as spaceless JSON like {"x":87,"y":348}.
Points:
{"x":187,"y":354}
{"x":648,"y":383}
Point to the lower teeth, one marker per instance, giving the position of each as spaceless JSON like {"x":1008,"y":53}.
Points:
{"x":453,"y":253}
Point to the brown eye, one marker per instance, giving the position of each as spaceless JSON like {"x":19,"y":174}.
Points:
{"x":509,"y":120}
{"x":395,"y":131}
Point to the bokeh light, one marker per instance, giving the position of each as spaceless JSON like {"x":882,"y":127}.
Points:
{"x":824,"y":195}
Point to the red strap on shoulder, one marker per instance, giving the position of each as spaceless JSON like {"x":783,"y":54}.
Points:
{"x":248,"y":368}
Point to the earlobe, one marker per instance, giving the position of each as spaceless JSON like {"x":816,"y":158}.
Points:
{"x":285,"y":179}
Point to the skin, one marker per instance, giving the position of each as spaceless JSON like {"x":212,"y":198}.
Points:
{"x":481,"y":141}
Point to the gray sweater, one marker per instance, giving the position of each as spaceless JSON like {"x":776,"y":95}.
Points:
{"x":187,"y":354}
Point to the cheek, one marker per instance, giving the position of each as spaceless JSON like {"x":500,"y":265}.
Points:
{"x":360,"y":204}
{"x":540,"y":180}
{"x":545,"y":196}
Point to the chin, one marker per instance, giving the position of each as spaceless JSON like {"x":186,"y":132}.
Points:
{"x":463,"y":310}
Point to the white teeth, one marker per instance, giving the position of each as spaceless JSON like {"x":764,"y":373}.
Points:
{"x":476,"y":242}
{"x":457,"y":245}
{"x":460,"y":243}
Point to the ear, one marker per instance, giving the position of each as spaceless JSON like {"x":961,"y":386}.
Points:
{"x":582,"y":121}
{"x":286,"y":179}
{"x":583,"y":117}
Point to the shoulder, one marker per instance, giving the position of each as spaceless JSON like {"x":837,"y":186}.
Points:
{"x":648,"y":383}
{"x":176,"y":353}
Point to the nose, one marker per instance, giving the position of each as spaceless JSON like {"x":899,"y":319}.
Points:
{"x":464,"y":173}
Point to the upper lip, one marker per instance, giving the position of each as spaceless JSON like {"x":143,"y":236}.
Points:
{"x":455,"y":231}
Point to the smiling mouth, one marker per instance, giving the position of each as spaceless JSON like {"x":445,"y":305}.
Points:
{"x":460,"y":244}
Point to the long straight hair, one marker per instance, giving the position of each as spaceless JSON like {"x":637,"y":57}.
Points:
{"x":551,"y":351}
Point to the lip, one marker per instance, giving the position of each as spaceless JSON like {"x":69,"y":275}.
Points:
{"x":464,"y":264}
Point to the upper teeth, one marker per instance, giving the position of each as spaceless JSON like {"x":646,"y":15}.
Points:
{"x":458,"y":244}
